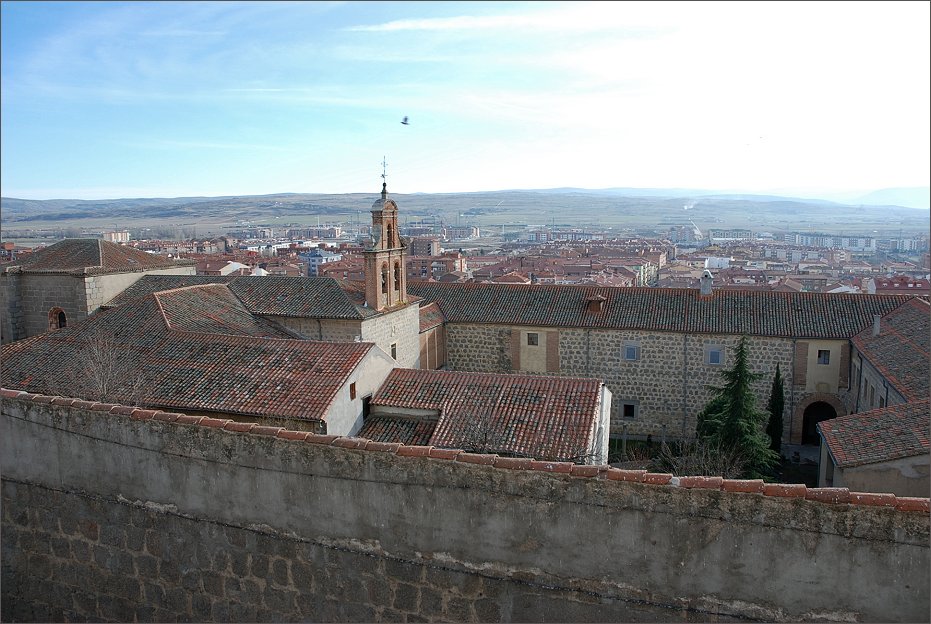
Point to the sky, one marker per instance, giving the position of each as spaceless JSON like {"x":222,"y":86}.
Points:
{"x":176,"y":99}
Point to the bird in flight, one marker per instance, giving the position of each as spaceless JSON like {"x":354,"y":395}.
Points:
{"x":404,"y":121}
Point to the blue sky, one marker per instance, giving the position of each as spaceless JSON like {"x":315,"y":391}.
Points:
{"x":168,"y":99}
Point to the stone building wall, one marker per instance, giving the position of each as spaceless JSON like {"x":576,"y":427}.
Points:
{"x":120,"y":514}
{"x":39,"y":293}
{"x":30,"y":296}
{"x":11,"y":309}
{"x":478,"y":348}
{"x":334,"y":330}
{"x":667,"y":385}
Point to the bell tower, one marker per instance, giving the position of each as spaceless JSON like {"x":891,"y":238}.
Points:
{"x":385,"y":257}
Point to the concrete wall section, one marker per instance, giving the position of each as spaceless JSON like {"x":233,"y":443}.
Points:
{"x":99,"y":289}
{"x":824,"y":365}
{"x":908,"y":476}
{"x":639,"y":551}
{"x":345,"y":415}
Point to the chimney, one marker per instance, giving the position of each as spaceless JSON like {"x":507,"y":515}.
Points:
{"x":595,"y":303}
{"x":876,"y":318}
{"x":706,"y":280}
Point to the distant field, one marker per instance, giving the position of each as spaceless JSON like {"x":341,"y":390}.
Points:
{"x":494,"y":210}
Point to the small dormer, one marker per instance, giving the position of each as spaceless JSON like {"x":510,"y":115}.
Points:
{"x":595,"y":303}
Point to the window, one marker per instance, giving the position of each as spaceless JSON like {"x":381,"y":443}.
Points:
{"x":629,"y":409}
{"x":631,"y":351}
{"x":394,"y":350}
{"x":533,"y":339}
{"x":397,"y":276}
{"x":366,"y":407}
{"x":824,"y":356}
{"x":352,"y":391}
{"x":714,"y":355}
{"x":882,"y":401}
{"x":384,"y":278}
{"x":57,"y":319}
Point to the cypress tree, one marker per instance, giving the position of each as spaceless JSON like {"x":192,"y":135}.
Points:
{"x":732,"y":421}
{"x":775,"y":408}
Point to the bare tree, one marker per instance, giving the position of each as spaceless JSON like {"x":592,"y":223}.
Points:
{"x":701,"y":458}
{"x":100,"y":370}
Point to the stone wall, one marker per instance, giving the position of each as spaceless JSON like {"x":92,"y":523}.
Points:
{"x":333,"y":330}
{"x":28,"y":297}
{"x":668,"y":384}
{"x":114,"y":513}
{"x":37,"y":293}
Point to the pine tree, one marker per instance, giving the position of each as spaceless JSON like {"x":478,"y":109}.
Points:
{"x":732,"y":421}
{"x":775,"y":408}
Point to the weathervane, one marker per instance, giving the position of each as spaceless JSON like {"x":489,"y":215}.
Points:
{"x":384,"y":170}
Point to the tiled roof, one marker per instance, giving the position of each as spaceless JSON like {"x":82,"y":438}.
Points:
{"x":901,"y":350}
{"x":241,"y":371}
{"x":309,"y":297}
{"x":213,"y":309}
{"x":799,"y":315}
{"x":413,"y":431}
{"x":92,"y":256}
{"x":878,"y":435}
{"x":430,"y":316}
{"x":525,"y":415}
{"x":150,"y":284}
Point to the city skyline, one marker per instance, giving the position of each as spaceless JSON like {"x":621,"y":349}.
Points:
{"x":140,"y":99}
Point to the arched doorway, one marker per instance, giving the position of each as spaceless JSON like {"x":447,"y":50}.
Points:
{"x":815,"y":413}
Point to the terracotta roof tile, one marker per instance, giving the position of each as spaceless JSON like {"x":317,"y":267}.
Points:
{"x":244,"y":370}
{"x":308,"y":297}
{"x":798,"y":315}
{"x":548,"y":418}
{"x":213,"y":309}
{"x":430,"y":316}
{"x":901,"y":350}
{"x":92,"y":256}
{"x":404,"y":430}
{"x":878,"y":435}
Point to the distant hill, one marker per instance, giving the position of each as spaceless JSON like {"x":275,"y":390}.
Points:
{"x":621,"y":208}
{"x":917,"y":197}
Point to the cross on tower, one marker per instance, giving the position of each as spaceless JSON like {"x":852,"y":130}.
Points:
{"x":384,"y":170}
